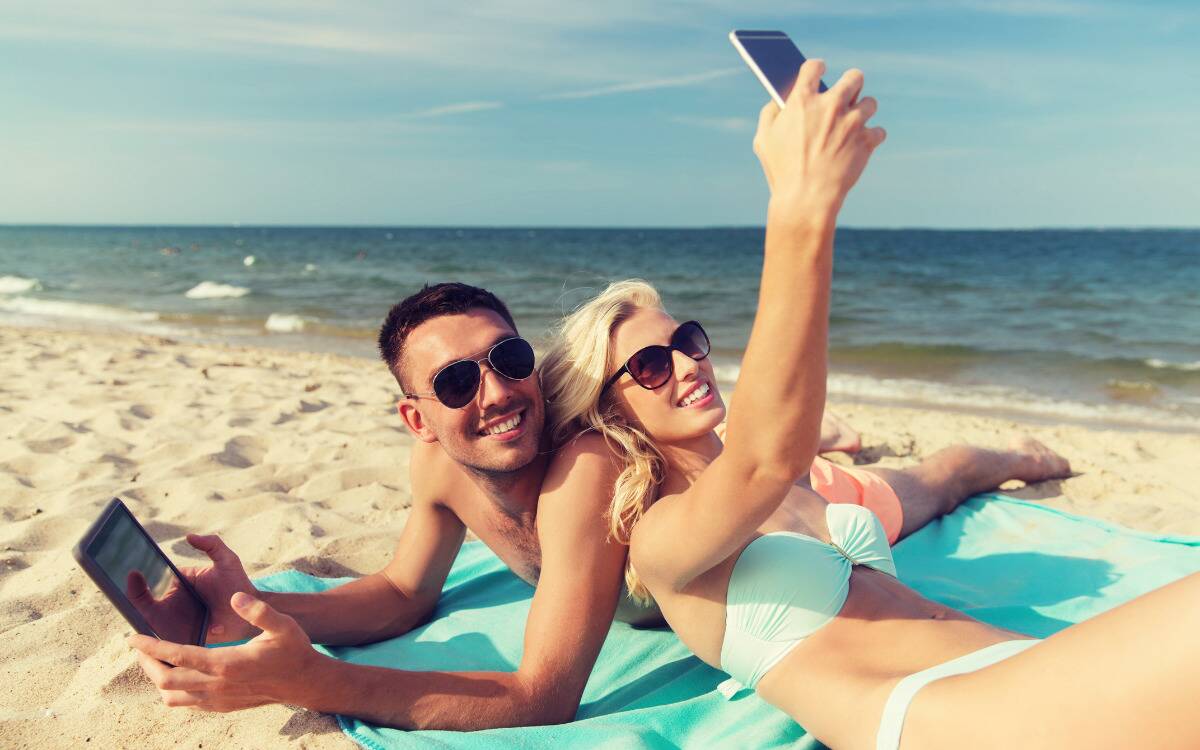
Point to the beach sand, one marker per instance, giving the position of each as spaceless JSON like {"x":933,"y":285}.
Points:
{"x":299,"y":461}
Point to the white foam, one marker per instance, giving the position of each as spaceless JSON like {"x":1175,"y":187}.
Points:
{"x":283,"y":323}
{"x":726,"y":373}
{"x":248,"y":260}
{"x":997,"y":398}
{"x":213,"y":290}
{"x":1162,"y":364}
{"x":18,"y":285}
{"x":310,"y":267}
{"x":60,"y":309}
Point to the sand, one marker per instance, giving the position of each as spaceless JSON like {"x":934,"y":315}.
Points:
{"x":299,"y":461}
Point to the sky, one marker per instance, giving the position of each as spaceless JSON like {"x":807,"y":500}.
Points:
{"x":1000,"y":113}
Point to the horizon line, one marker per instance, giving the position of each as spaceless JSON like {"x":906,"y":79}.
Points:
{"x":245,"y":225}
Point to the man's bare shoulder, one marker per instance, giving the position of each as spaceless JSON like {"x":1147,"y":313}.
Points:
{"x":588,"y":445}
{"x":435,"y":477}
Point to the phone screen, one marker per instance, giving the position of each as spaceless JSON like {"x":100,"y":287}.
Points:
{"x":777,"y":58}
{"x":137,"y":568}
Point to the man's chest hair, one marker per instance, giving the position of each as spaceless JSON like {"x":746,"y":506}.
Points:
{"x":518,"y":539}
{"x":512,"y":537}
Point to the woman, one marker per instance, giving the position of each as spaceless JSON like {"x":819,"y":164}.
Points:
{"x":796,"y":597}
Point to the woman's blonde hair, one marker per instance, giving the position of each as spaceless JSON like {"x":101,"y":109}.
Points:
{"x":573,"y":372}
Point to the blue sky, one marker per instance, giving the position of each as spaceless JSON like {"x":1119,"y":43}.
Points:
{"x":1005,"y":113}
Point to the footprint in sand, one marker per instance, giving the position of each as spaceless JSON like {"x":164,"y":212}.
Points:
{"x":141,"y":411}
{"x":322,"y":567}
{"x":306,"y":407}
{"x":242,"y":452}
{"x":129,"y":681}
{"x":52,"y":445}
{"x":10,"y":564}
{"x":333,"y":482}
{"x":15,"y":614}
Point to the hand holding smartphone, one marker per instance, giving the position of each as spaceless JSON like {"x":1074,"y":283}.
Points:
{"x":773,"y":58}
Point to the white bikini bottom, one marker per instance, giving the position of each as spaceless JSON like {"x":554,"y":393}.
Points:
{"x":902,"y":695}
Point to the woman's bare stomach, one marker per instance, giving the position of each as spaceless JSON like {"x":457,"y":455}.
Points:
{"x":835,"y":683}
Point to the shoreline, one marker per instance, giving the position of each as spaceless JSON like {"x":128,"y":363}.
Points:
{"x":845,"y":385}
{"x":298,"y":460}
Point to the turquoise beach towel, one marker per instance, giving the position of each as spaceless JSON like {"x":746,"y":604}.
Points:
{"x":1008,"y":562}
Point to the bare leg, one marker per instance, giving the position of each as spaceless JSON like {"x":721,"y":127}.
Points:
{"x":837,"y":435}
{"x":1125,"y":678}
{"x":938,"y":484}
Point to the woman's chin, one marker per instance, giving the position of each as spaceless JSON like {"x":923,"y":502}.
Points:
{"x":703,"y":421}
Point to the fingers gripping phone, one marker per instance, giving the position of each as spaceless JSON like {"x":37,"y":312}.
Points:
{"x":145,"y":587}
{"x":773,"y":58}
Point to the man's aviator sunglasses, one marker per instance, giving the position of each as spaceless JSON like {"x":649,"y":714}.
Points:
{"x":456,"y":384}
{"x":652,"y":366}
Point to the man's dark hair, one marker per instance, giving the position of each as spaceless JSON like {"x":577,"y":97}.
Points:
{"x":433,"y":301}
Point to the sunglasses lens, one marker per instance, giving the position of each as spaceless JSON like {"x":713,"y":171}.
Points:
{"x":691,"y":339}
{"x":456,"y":385}
{"x":651,"y":367}
{"x":513,"y":359}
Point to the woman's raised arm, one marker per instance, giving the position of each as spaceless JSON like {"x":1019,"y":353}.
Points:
{"x":812,"y":153}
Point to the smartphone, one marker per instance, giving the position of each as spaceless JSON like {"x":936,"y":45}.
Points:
{"x":773,"y":58}
{"x":145,"y":587}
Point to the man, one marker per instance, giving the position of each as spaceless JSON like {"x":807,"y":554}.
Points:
{"x":479,"y":462}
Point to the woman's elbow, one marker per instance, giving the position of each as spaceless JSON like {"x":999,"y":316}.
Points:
{"x":774,"y":474}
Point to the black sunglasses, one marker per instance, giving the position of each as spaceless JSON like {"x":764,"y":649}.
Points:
{"x":652,"y":366}
{"x":458,"y":382}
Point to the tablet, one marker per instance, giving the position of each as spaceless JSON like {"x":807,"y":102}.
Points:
{"x":145,"y":587}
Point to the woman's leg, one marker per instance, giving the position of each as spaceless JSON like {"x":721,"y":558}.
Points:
{"x":838,"y":435}
{"x":938,"y":484}
{"x":1127,"y":678}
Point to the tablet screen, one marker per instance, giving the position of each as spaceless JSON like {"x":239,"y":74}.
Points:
{"x":137,"y":568}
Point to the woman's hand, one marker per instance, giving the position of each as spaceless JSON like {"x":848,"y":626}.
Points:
{"x":814,"y":150}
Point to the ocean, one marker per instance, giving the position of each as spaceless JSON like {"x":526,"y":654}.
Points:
{"x":1051,"y":325}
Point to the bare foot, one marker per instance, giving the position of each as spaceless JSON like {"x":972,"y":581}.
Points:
{"x":836,"y":435}
{"x":1034,"y":462}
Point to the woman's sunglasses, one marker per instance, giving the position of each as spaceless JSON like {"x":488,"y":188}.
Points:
{"x":653,"y":366}
{"x":456,"y":384}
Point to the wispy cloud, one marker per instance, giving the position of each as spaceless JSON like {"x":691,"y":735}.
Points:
{"x":724,"y":124}
{"x":1033,"y":8}
{"x":645,"y":85}
{"x":455,"y":109}
{"x":898,"y":8}
{"x":244,"y":129}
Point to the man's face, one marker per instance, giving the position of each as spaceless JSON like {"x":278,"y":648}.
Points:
{"x":469,"y":435}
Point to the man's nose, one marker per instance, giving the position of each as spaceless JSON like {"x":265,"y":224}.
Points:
{"x":494,"y":388}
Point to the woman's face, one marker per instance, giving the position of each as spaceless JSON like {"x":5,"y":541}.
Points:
{"x":672,"y":412}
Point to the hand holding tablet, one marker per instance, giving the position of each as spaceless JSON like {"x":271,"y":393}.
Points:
{"x":188,"y":605}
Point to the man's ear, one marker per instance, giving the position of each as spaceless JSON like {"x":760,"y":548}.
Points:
{"x":414,"y":420}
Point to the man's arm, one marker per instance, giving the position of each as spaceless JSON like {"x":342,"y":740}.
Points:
{"x":392,"y":601}
{"x":569,"y":617}
{"x":378,"y":606}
